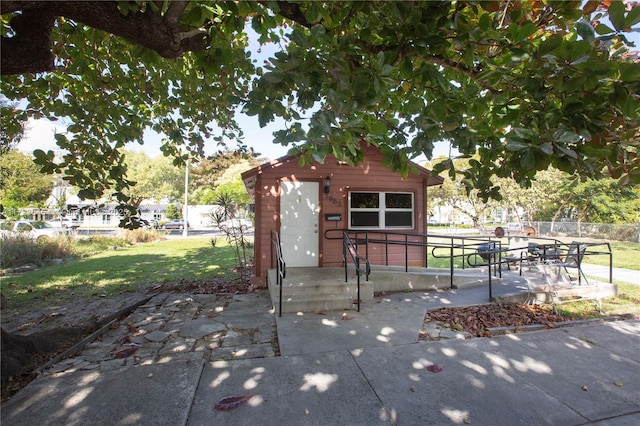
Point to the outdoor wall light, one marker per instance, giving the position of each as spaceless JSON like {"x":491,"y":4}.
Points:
{"x":327,"y":184}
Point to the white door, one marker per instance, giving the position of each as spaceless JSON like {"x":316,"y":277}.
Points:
{"x":299,"y":223}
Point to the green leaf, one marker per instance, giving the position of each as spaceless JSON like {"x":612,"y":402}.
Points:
{"x":550,"y":44}
{"x":633,"y":17}
{"x":547,"y":148}
{"x":568,"y":152}
{"x":299,"y":38}
{"x":378,"y":128}
{"x":585,"y":30}
{"x":525,"y":31}
{"x":603,"y":29}
{"x":318,"y":32}
{"x":566,"y":136}
{"x":630,"y":71}
{"x":528,"y":160}
{"x":484,"y":22}
{"x":616,"y":15}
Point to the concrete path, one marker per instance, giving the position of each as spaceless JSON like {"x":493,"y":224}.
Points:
{"x":625,"y":275}
{"x":355,"y":369}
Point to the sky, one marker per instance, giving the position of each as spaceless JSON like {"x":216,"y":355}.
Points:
{"x":40,"y":133}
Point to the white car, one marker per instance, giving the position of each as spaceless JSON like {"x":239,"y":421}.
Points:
{"x":66,"y":222}
{"x":38,"y":230}
{"x":237,"y":224}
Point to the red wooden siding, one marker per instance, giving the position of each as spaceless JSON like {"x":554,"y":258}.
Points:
{"x":370,"y":175}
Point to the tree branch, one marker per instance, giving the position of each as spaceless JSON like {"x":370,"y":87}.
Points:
{"x":291,"y":11}
{"x":30,"y":49}
{"x":174,"y":11}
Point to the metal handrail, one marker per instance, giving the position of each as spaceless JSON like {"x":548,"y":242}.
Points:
{"x":363,"y":237}
{"x":349,"y":246}
{"x":281,"y":267}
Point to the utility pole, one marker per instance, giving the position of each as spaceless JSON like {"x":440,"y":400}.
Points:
{"x":185,"y":214}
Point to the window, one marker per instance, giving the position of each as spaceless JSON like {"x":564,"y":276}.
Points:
{"x":381,"y":210}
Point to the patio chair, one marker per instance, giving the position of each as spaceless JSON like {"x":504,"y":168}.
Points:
{"x":518,"y":252}
{"x":561,"y":284}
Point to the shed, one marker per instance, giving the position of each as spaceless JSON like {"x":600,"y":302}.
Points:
{"x":310,"y":206}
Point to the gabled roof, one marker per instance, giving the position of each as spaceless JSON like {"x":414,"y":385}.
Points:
{"x":250,"y":176}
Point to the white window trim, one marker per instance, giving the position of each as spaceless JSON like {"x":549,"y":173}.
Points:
{"x":382,"y":209}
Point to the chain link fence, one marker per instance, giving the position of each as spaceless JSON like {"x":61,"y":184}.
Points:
{"x":601,"y":231}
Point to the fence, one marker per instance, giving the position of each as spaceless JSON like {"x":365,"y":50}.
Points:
{"x":602,"y":231}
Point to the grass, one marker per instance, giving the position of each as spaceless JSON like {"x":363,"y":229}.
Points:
{"x":123,"y":270}
{"x":129,"y":268}
{"x":627,"y":302}
{"x":625,"y":255}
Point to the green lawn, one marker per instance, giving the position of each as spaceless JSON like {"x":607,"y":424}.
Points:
{"x":122,"y":270}
{"x":625,"y":255}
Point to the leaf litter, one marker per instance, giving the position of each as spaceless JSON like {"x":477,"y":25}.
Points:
{"x":478,"y":319}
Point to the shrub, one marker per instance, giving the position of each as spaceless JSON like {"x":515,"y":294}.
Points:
{"x":60,"y":247}
{"x":19,"y":249}
{"x":141,"y":235}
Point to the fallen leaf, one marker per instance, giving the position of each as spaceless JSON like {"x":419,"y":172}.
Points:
{"x":131,"y":328}
{"x":232,"y":402}
{"x":466,"y":421}
{"x":618,"y":384}
{"x":125,"y":353}
{"x":435,"y":368}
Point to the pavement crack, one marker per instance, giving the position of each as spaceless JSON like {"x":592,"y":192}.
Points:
{"x":390,"y":415}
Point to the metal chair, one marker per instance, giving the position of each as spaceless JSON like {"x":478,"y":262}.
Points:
{"x":561,"y":285}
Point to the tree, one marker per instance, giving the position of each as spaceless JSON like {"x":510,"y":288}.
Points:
{"x":221,"y":173}
{"x":21,"y":183}
{"x":155,"y":178}
{"x":454,"y":194}
{"x":173,"y":212}
{"x":544,"y":194}
{"x":601,"y":201}
{"x":208,"y":170}
{"x":11,"y":131}
{"x":527,"y":85}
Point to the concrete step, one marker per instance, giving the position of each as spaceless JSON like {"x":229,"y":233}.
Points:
{"x":311,"y":303}
{"x":318,"y":289}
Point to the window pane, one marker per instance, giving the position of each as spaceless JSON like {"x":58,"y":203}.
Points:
{"x":368,"y":219}
{"x":365,"y":200}
{"x":397,"y":201}
{"x":398,"y":219}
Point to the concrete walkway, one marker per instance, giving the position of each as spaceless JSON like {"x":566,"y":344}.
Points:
{"x":620,"y":274}
{"x":339,"y":368}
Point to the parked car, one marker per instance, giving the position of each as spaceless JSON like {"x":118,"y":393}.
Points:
{"x":235,"y":224}
{"x":175,"y":224}
{"x":35,"y":229}
{"x":66,"y":222}
{"x":149,"y":223}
